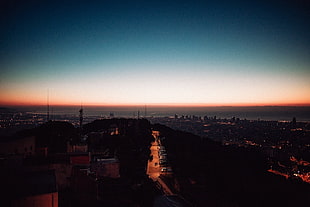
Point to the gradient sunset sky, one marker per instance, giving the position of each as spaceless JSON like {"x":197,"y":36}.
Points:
{"x":155,"y":52}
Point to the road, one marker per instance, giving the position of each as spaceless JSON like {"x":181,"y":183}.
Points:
{"x":154,"y":170}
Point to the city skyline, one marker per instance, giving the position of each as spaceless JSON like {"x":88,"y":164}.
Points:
{"x":197,"y":53}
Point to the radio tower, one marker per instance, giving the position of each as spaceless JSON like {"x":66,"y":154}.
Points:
{"x":48,"y":106}
{"x":81,"y":117}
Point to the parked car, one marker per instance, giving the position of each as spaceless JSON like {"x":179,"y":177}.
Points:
{"x":165,"y":169}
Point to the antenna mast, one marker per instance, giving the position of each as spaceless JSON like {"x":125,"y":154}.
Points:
{"x":48,"y":105}
{"x":81,"y":117}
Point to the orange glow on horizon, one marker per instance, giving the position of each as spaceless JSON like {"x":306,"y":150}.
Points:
{"x":42,"y":103}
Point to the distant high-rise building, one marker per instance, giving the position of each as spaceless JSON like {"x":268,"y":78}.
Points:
{"x":111,"y":115}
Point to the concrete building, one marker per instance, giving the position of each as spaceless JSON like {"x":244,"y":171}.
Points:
{"x":18,"y":146}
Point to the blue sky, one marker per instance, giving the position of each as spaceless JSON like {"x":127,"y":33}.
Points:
{"x":137,"y":52}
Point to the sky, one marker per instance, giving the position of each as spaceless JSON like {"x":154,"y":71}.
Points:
{"x":155,"y":52}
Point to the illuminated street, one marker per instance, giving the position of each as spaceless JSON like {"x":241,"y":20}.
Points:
{"x":154,"y":169}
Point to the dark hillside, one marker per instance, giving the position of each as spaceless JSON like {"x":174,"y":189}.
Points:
{"x":213,"y":175}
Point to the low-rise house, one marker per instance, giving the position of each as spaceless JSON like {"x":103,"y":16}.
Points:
{"x":77,"y":147}
{"x":18,"y":146}
{"x":106,"y":167}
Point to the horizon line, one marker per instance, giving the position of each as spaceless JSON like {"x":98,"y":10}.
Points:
{"x":185,"y":105}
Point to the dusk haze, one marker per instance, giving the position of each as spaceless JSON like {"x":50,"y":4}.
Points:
{"x":197,"y":53}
